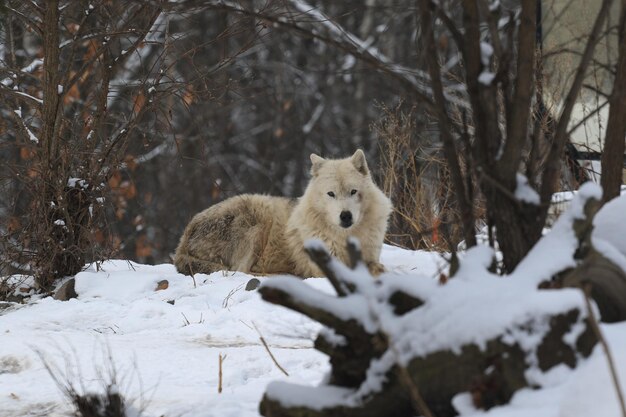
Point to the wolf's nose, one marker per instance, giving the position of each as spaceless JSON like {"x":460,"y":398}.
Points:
{"x":346,"y":218}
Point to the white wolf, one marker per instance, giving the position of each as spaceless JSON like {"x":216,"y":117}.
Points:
{"x":265,"y":235}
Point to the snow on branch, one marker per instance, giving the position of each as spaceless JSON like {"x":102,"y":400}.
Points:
{"x":21,"y":95}
{"x":420,"y":80}
{"x":29,"y":133}
{"x":310,"y":22}
{"x":396,"y":326}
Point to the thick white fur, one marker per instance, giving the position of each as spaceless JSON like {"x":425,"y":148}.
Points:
{"x":266,"y":235}
{"x":317,"y":214}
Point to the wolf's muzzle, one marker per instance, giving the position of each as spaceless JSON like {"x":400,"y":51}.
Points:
{"x":346,"y":219}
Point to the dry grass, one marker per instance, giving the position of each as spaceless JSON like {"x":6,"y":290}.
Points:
{"x":417,"y":181}
{"x":267,"y":348}
{"x":107,"y":403}
{"x":220,"y":374}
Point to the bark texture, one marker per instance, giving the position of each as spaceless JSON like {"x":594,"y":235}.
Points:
{"x":491,"y":371}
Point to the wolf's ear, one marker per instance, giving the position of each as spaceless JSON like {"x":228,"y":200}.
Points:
{"x":317,"y":162}
{"x":359,"y":162}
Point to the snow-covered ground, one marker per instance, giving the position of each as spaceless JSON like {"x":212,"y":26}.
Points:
{"x":166,"y":356}
{"x":165,"y":346}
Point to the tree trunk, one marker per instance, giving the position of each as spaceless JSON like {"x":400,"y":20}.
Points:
{"x":518,"y":225}
{"x":613,"y":152}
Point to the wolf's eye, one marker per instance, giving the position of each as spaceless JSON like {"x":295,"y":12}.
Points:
{"x":353,"y":192}
{"x":331,"y":194}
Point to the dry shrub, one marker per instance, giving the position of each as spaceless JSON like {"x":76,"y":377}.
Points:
{"x":416,"y":179}
{"x":58,"y":222}
{"x":104,"y":402}
{"x":62,"y":150}
{"x":108,"y":404}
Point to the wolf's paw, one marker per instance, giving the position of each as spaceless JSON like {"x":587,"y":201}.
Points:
{"x":375,"y":268}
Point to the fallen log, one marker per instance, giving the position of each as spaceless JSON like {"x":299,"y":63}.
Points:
{"x":398,"y":340}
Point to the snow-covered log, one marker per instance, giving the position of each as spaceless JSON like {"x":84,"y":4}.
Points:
{"x":602,"y":270}
{"x":479,"y":333}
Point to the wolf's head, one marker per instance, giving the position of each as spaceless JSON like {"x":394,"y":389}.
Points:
{"x":339,"y":187}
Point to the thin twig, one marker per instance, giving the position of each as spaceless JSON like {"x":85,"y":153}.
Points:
{"x":553,"y":164}
{"x":414,"y":392}
{"x":268,"y":350}
{"x":230,"y":295}
{"x":219,"y":381}
{"x":585,"y":119}
{"x":609,"y":358}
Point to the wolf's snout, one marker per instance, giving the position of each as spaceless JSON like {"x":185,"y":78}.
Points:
{"x":346,"y":219}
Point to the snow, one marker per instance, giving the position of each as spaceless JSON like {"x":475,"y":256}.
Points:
{"x":332,"y":337}
{"x":524,"y":192}
{"x":554,"y":252}
{"x":467,"y":314}
{"x":158,"y":356}
{"x":592,"y":392}
{"x":486,"y":52}
{"x":486,"y":77}
{"x":609,"y":221}
{"x":36,"y":63}
{"x":31,"y":135}
{"x":316,"y":398}
{"x":170,"y":363}
{"x":349,"y":62}
{"x":77,"y":182}
{"x":351,"y":307}
{"x":164,"y":345}
{"x":417,"y":78}
{"x":609,"y":230}
{"x":308,"y":127}
{"x":28,"y":96}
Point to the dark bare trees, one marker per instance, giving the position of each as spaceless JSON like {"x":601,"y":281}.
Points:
{"x":213,"y":127}
{"x":69,"y":107}
{"x":479,"y":76}
{"x":242,"y":101}
{"x":499,"y":52}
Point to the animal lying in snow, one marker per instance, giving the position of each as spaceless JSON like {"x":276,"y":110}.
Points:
{"x":265,"y":235}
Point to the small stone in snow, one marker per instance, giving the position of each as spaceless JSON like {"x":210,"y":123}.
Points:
{"x":66,"y":291}
{"x":253,"y":284}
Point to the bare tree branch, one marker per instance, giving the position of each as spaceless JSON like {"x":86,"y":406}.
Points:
{"x":517,"y":121}
{"x":338,"y":38}
{"x":553,"y":163}
{"x":449,"y":147}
